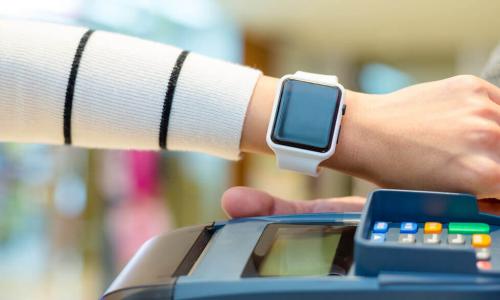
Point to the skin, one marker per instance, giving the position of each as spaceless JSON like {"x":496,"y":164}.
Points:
{"x":442,"y":135}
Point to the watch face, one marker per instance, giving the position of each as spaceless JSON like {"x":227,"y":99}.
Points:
{"x":306,"y":115}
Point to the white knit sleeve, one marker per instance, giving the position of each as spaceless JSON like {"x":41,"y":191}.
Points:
{"x":69,"y":85}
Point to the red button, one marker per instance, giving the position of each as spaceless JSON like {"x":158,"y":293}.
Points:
{"x":483,"y":265}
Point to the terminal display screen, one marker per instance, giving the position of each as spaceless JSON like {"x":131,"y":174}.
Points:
{"x":302,"y":250}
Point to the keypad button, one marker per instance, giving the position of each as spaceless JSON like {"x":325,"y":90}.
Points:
{"x":378,"y":237}
{"x":380,"y":227}
{"x":408,"y":227}
{"x":456,"y":239}
{"x":483,"y":253}
{"x":433,"y":227}
{"x":432,"y":238}
{"x":483,"y":265}
{"x":481,"y":240}
{"x":407,"y":238}
{"x":468,"y":228}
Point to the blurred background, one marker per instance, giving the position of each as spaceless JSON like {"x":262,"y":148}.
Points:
{"x":71,"y":218}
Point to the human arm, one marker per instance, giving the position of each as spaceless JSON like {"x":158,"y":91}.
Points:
{"x":441,"y":135}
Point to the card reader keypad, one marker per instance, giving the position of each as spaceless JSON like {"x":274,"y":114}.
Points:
{"x":456,"y":234}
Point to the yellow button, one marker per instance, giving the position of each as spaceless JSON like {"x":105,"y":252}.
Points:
{"x":481,"y":240}
{"x":433,"y":227}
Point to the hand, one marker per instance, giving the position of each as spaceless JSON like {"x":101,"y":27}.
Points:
{"x":442,"y":135}
{"x":240,"y":202}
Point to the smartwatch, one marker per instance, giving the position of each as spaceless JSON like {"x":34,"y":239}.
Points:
{"x":305,"y":121}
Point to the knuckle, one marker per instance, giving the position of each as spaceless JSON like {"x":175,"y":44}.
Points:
{"x":485,"y":111}
{"x":486,"y":136}
{"x":491,"y":175}
{"x":468,"y":82}
{"x":483,"y":173}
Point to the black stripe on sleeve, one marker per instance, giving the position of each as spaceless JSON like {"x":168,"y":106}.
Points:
{"x":169,"y":96}
{"x":70,"y":89}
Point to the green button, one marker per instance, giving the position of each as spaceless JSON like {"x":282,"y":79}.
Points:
{"x":468,"y":228}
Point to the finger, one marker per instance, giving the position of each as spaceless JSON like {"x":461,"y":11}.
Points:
{"x":247,"y":202}
{"x":493,"y":92}
{"x":473,"y":83}
{"x":240,"y":202}
{"x":344,"y":204}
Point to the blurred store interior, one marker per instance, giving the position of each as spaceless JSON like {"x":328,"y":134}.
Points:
{"x":70,"y":218}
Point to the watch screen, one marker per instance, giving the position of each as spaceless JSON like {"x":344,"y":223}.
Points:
{"x":306,"y":115}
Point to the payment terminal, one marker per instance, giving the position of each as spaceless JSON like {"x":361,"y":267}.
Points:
{"x":405,"y":245}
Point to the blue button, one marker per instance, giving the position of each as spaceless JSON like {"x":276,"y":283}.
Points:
{"x":409,"y":227}
{"x":378,"y":237}
{"x":380,"y":227}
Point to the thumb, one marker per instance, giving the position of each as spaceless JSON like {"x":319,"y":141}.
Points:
{"x":240,"y":202}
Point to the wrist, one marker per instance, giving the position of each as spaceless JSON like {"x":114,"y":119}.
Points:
{"x":350,"y":153}
{"x":351,"y":150}
{"x":253,"y":138}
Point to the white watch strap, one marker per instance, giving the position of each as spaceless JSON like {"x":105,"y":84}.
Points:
{"x":306,"y":165}
{"x":318,"y":77}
